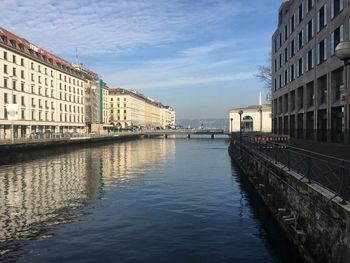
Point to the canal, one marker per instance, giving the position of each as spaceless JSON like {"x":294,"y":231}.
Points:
{"x":152,"y":200}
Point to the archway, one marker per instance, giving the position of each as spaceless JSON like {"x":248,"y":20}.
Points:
{"x":247,"y":123}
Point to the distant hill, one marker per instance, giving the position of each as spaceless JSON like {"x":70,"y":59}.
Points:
{"x":205,"y":123}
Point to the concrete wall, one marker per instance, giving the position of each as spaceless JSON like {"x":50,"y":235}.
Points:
{"x":318,"y":225}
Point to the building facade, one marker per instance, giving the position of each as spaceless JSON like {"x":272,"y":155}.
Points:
{"x":309,"y":98}
{"x":256,"y":118}
{"x":130,"y":108}
{"x":48,"y":90}
{"x":167,"y":117}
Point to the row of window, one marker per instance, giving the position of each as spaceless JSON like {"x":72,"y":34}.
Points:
{"x":336,"y":37}
{"x":44,"y":92}
{"x":336,"y":9}
{"x":40,"y":55}
{"x":64,"y":78}
{"x":42,"y":103}
{"x":46,"y":116}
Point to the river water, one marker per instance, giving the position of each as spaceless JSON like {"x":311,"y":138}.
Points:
{"x":152,"y":200}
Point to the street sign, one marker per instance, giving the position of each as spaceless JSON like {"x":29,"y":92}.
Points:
{"x":12,"y":112}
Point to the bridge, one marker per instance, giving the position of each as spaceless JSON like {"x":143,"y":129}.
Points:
{"x":186,"y":132}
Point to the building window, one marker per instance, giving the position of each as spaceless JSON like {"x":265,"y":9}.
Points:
{"x":310,"y":4}
{"x":337,"y":36}
{"x":14,"y":84}
{"x":5,"y":83}
{"x":300,"y":39}
{"x":280,"y":39}
{"x":322,"y":51}
{"x":292,"y":48}
{"x":300,"y":70}
{"x":14,"y":72}
{"x":5,"y":55}
{"x":22,"y":62}
{"x":300,"y":13}
{"x":14,"y":99}
{"x":310,"y":59}
{"x":292,"y":73}
{"x":22,"y":101}
{"x":292,"y":24}
{"x":310,"y":30}
{"x":286,"y":32}
{"x":285,"y":77}
{"x":22,"y":86}
{"x":5,"y":69}
{"x":5,"y":98}
{"x":285,"y":55}
{"x":280,"y":81}
{"x":321,"y":18}
{"x":22,"y":74}
{"x":336,"y":7}
{"x":14,"y":59}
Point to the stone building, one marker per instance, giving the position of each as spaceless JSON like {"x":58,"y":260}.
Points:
{"x":48,"y":90}
{"x":255,"y":118}
{"x":130,"y":108}
{"x":309,"y":99}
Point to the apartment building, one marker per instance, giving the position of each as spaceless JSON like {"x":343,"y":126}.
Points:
{"x":309,"y":99}
{"x":167,"y":117}
{"x":130,"y":108}
{"x":48,"y":90}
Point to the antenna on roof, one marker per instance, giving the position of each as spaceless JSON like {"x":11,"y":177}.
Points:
{"x":260,"y":101}
{"x":77,"y":56}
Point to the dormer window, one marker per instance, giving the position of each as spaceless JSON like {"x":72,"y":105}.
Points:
{"x":45,"y":58}
{"x":50,"y":60}
{"x":21,"y":47}
{"x":4,"y":39}
{"x":31,"y":51}
{"x":37,"y":55}
{"x":13,"y":43}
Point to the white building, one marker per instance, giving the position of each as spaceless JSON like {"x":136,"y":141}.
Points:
{"x":48,"y":90}
{"x":254,"y":118}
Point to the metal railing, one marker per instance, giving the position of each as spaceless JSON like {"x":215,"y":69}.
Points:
{"x":329,"y":172}
{"x":47,"y":137}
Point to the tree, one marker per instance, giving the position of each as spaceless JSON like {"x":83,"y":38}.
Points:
{"x":264,"y":74}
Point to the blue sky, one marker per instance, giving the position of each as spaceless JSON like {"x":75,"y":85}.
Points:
{"x":198,"y":56}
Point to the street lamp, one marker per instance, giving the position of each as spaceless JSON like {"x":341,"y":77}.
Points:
{"x":231,"y":125}
{"x":240,"y":131}
{"x":342,"y":51}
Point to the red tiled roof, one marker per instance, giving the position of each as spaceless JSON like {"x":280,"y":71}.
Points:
{"x":37,"y":53}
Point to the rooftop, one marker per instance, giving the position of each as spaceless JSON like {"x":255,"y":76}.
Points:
{"x":22,"y":45}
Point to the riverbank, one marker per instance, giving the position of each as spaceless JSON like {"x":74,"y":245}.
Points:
{"x":314,"y":219}
{"x":30,"y":144}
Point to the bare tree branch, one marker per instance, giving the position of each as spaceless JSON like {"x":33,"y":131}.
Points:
{"x":264,"y":75}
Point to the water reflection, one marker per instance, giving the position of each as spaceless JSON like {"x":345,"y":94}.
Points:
{"x":43,"y":192}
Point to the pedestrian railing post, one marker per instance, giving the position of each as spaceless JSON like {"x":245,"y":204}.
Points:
{"x":288,"y":158}
{"x":275,"y":147}
{"x":343,"y":183}
{"x":309,"y":167}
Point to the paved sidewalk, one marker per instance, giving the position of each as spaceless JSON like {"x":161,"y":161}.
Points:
{"x":338,"y":150}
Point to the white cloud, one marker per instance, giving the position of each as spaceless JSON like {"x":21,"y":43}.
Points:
{"x":99,"y":26}
{"x":192,"y":81}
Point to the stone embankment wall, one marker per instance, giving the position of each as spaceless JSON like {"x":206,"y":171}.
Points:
{"x":314,"y":219}
{"x":31,"y":145}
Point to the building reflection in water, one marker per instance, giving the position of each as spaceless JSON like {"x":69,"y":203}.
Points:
{"x":39,"y":193}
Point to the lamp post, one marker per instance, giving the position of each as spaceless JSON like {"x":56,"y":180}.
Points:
{"x":342,"y":51}
{"x":231,"y":125}
{"x":240,"y":131}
